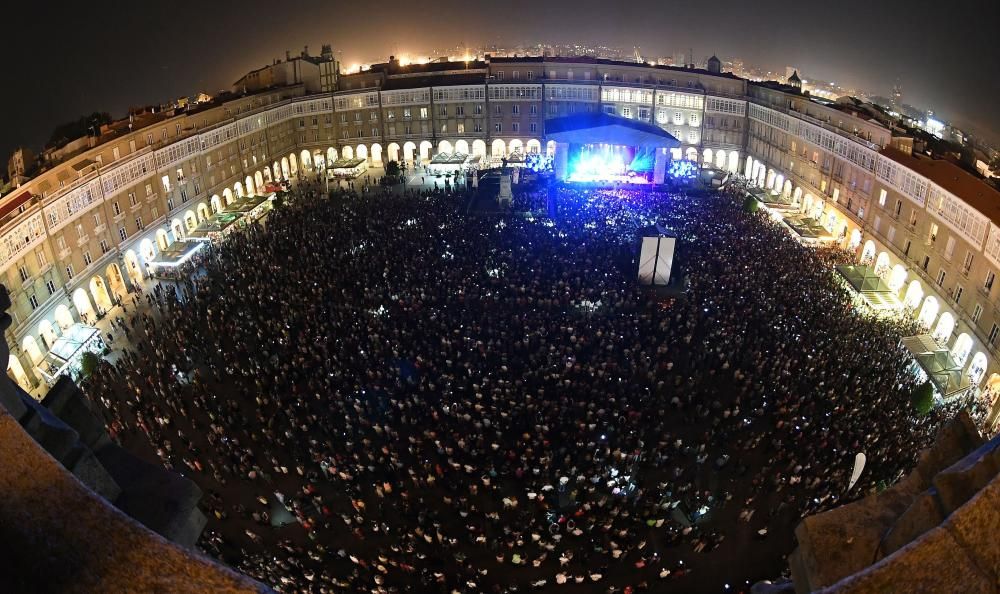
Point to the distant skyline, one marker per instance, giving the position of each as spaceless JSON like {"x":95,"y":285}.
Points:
{"x":126,"y":54}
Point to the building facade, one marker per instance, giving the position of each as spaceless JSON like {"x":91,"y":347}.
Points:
{"x":77,"y":236}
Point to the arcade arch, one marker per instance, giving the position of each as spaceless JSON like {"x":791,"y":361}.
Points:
{"x":99,"y":291}
{"x":31,"y":348}
{"x":64,"y":319}
{"x":83,"y":307}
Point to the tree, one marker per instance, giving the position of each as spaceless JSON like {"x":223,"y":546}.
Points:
{"x":88,"y":363}
{"x":392,"y":169}
{"x":922,"y":398}
{"x":750,"y":204}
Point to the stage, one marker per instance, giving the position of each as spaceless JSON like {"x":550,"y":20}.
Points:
{"x":602,"y":148}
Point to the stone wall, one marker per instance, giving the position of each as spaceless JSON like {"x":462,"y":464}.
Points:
{"x":934,"y":531}
{"x":59,"y":531}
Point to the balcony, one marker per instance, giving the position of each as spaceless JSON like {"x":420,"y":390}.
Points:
{"x":826,"y":126}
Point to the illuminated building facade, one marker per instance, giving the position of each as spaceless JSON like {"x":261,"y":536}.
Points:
{"x":80,"y":234}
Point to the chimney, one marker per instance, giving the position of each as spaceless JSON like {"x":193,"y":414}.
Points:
{"x":288,"y":55}
{"x":305,"y":51}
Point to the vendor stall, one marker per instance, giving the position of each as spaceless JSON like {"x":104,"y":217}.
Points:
{"x":251,"y":208}
{"x":168,"y":262}
{"x":453,"y":164}
{"x":64,"y":358}
{"x":216,"y":227}
{"x":347,"y":168}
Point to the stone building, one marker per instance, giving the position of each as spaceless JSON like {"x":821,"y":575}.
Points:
{"x":79,"y":234}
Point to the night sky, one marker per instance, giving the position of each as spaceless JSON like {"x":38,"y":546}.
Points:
{"x":67,"y":61}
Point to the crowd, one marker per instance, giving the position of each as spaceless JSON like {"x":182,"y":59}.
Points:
{"x":378,"y":393}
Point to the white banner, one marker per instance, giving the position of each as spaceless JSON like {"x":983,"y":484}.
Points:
{"x":859,"y":466}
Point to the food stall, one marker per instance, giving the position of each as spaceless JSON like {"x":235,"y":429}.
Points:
{"x":347,"y":168}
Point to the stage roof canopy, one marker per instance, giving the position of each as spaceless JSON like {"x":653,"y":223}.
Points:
{"x":597,"y":128}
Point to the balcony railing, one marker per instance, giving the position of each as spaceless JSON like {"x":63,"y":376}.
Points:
{"x":834,"y":129}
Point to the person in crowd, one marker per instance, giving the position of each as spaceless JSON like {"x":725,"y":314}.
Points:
{"x":378,"y":392}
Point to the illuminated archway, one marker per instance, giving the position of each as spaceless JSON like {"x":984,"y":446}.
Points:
{"x":914,"y":293}
{"x":146,"y":249}
{"x":498,"y":148}
{"x":749,"y":168}
{"x":319,"y":161}
{"x":216,"y":203}
{"x":897,"y":278}
{"x":116,"y":282}
{"x":928,"y":311}
{"x":361,"y":152}
{"x":868,"y":253}
{"x":83,"y":306}
{"x":203,"y":212}
{"x":16,"y":371}
{"x":786,"y":189}
{"x":228,"y":195}
{"x":48,"y":333}
{"x":347,"y":152}
{"x":64,"y":319}
{"x":882,"y":265}
{"x":190,"y":221}
{"x":305,"y":160}
{"x":734,"y":162}
{"x":267,"y":174}
{"x":408,"y":150}
{"x":100,"y":294}
{"x":462,"y":146}
{"x":706,"y":156}
{"x":331,"y":155}
{"x":162,"y":239}
{"x":516,"y":147}
{"x":293,"y":164}
{"x":945,"y":326}
{"x":720,"y":159}
{"x":392,"y":151}
{"x":977,"y":369}
{"x":276,"y":172}
{"x":285,"y":171}
{"x":963,"y":346}
{"x":691,"y":154}
{"x":132,"y":266}
{"x":376,"y":154}
{"x":238,"y":190}
{"x":31,"y":348}
{"x":479,"y":147}
{"x":550,"y":148}
{"x":445,"y":147}
{"x":797,"y":197}
{"x":178,"y":228}
{"x":769,"y":181}
{"x":258,"y":179}
{"x":425,"y":150}
{"x":533,"y":147}
{"x":855,"y":240}
{"x":249,"y":186}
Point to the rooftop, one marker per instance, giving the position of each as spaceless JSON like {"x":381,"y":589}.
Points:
{"x":416,"y":82}
{"x":605,"y":62}
{"x":971,"y":189}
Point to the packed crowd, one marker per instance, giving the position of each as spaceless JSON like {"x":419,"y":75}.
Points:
{"x":378,"y":393}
